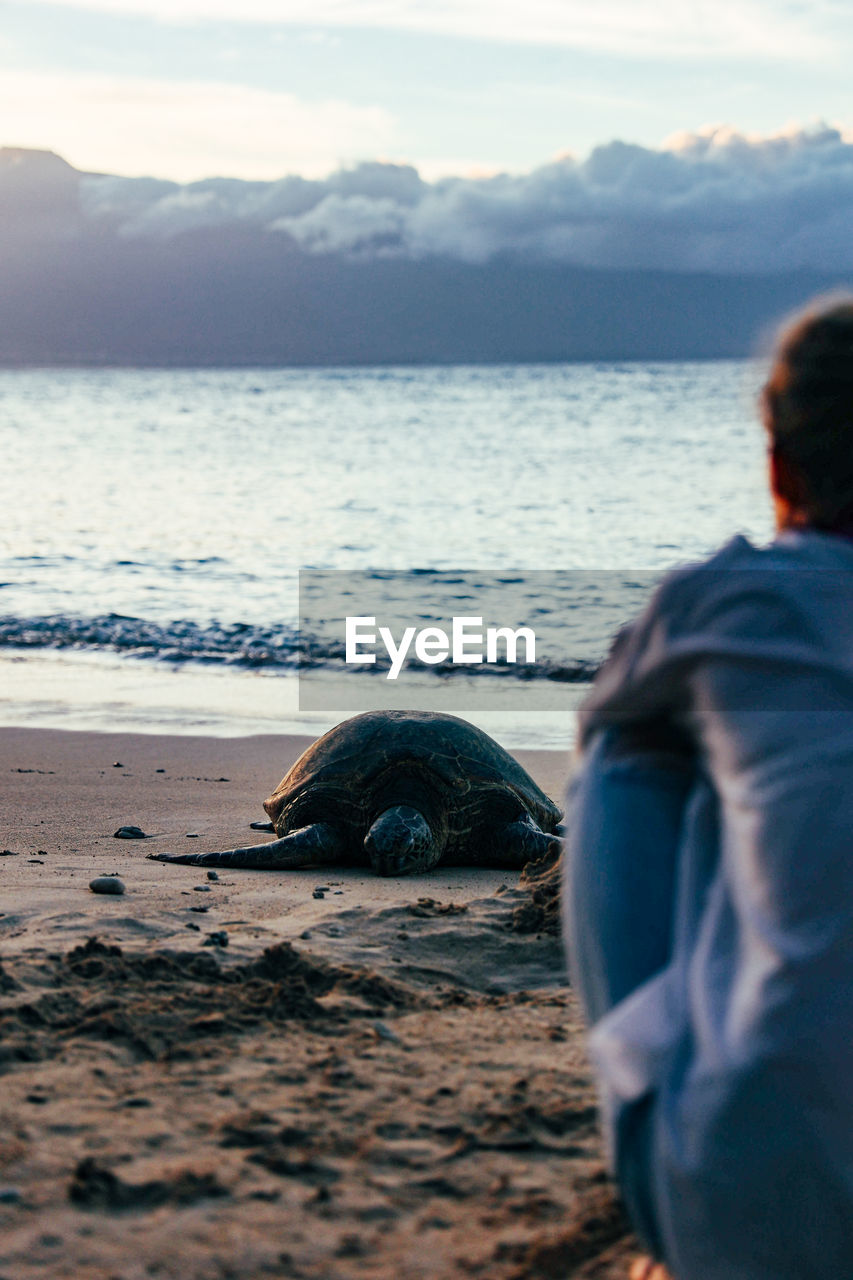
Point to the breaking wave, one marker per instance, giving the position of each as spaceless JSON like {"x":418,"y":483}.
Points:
{"x":280,"y":648}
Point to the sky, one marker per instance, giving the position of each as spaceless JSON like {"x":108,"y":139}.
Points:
{"x":369,"y":180}
{"x":258,"y":89}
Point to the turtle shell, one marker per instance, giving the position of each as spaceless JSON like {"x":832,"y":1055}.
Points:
{"x":454,"y":773}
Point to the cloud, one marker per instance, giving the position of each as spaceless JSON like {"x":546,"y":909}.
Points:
{"x":716,"y":201}
{"x":684,"y":251}
{"x":186,"y":130}
{"x":369,"y":192}
{"x":739,"y":28}
{"x":349,"y":224}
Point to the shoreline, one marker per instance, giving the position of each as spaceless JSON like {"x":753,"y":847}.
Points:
{"x":59,"y":690}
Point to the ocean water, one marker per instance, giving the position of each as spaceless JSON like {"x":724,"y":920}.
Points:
{"x":155,"y":521}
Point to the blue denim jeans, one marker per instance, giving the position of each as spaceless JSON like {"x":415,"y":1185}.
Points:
{"x":624,"y":821}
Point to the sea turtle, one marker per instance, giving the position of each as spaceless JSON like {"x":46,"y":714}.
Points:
{"x":402,"y":791}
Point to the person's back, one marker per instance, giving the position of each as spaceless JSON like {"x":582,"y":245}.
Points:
{"x":725,"y":1069}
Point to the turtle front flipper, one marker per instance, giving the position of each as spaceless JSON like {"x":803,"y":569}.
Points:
{"x":401,"y":843}
{"x":317,"y":845}
{"x":523,"y":841}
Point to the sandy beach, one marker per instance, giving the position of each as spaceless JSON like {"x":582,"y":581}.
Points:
{"x":250,"y":1077}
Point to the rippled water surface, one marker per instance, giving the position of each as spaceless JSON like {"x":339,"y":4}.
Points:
{"x":178,"y":497}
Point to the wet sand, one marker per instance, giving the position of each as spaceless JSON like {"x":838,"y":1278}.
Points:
{"x":387,"y":1080}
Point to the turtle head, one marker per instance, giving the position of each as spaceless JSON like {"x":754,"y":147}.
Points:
{"x":401,"y":842}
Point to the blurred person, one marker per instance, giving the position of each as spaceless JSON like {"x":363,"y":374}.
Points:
{"x":708,"y":882}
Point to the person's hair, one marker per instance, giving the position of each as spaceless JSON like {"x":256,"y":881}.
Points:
{"x":807,"y":405}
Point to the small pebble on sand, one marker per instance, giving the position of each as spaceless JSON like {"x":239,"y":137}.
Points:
{"x":202,"y":888}
{"x":10,"y":1195}
{"x":211,"y":875}
{"x":319,"y":893}
{"x":191,"y":835}
{"x":106,"y":884}
{"x":217,"y":939}
{"x":117,"y":764}
{"x":384,"y":1032}
{"x":129,"y":833}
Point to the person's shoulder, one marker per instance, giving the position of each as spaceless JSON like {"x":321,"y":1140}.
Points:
{"x":681,"y":595}
{"x":788,"y":586}
{"x":778,"y":566}
{"x":689,"y":584}
{"x":737,"y":553}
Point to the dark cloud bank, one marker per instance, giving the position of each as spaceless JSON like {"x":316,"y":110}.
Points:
{"x":684,"y":252}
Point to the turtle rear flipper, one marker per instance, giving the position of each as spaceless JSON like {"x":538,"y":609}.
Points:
{"x":317,"y":845}
{"x":523,"y":841}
